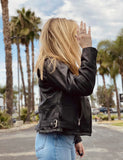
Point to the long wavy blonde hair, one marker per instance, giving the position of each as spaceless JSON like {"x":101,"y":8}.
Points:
{"x":58,"y":42}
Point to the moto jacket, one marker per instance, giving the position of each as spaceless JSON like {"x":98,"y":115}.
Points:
{"x":64,"y":106}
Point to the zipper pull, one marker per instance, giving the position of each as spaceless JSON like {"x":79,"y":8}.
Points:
{"x":79,"y":122}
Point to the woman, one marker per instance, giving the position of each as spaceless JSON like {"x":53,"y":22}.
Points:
{"x":66,"y":77}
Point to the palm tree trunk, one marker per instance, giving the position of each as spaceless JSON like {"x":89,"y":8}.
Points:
{"x":29,"y":82}
{"x":117,"y":99}
{"x":21,"y":69}
{"x":8,"y":56}
{"x":104,"y":81}
{"x":109,"y":114}
{"x":32,"y":75}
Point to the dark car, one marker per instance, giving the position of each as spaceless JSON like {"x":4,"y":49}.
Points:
{"x":105,"y":110}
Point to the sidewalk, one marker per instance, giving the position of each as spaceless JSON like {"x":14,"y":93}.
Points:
{"x":24,"y":126}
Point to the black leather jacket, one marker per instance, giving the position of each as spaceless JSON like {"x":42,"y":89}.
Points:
{"x":64,"y":106}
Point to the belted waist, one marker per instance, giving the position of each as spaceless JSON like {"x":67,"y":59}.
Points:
{"x":56,"y":124}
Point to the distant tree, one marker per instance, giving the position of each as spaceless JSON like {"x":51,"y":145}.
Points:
{"x":3,"y":93}
{"x":105,"y":97}
{"x":101,"y":99}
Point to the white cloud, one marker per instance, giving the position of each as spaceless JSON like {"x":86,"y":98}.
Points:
{"x":104,"y":16}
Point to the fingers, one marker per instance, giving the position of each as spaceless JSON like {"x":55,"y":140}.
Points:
{"x":83,"y":29}
{"x":81,"y":26}
{"x":89,"y":30}
{"x":79,"y":149}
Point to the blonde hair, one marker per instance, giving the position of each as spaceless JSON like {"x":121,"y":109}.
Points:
{"x":58,"y":42}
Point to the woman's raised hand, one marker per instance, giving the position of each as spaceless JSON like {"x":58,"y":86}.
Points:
{"x":83,"y":36}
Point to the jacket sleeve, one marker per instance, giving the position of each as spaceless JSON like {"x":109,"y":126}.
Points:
{"x":62,"y":78}
{"x":77,"y":139}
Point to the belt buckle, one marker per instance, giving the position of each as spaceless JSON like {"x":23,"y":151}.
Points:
{"x":55,"y":123}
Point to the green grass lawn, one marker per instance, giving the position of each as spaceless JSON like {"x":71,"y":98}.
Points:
{"x":117,"y":124}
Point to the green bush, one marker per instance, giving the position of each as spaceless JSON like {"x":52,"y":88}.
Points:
{"x":37,"y":117}
{"x":5,"y":120}
{"x":23,"y":114}
{"x":34,"y":117}
{"x":112,"y":117}
{"x":103,"y":117}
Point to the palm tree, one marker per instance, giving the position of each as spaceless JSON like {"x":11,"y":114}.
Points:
{"x":117,"y":52}
{"x":114,"y":71}
{"x":34,"y":34}
{"x":26,"y":28}
{"x":103,"y":49}
{"x":7,"y":42}
{"x":15,"y":28}
{"x":25,"y":22}
{"x":102,"y":60}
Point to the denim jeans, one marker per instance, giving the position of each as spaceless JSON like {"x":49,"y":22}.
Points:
{"x":54,"y":146}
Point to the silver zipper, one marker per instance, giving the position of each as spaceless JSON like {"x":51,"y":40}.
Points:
{"x":79,"y":122}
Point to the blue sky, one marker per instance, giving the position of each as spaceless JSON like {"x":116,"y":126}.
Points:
{"x":104,"y":17}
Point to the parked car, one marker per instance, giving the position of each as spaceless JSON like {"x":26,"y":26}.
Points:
{"x":114,"y":110}
{"x":105,"y":110}
{"x":121,"y":109}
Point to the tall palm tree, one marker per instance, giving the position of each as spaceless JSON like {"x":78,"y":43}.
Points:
{"x":117,"y":52}
{"x":25,"y":39}
{"x":7,"y":42}
{"x":103,"y":49}
{"x":34,"y":34}
{"x":15,"y":28}
{"x":114,"y":71}
{"x":102,"y":60}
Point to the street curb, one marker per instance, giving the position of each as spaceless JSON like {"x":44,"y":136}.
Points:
{"x":24,"y":126}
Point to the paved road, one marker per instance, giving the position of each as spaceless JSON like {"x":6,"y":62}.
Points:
{"x":104,"y":144}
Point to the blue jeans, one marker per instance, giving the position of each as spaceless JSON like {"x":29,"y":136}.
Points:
{"x":54,"y":146}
